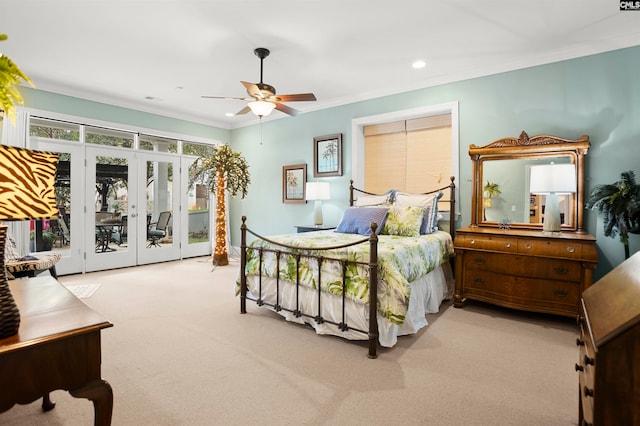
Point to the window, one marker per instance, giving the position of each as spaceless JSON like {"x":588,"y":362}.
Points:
{"x":53,"y":129}
{"x":409,"y":155}
{"x":100,"y":136}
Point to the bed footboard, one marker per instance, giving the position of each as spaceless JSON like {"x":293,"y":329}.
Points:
{"x":313,"y":253}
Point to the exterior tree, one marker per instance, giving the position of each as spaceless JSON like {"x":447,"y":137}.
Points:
{"x":619,"y":205}
{"x":10,"y":78}
{"x":222,"y":170}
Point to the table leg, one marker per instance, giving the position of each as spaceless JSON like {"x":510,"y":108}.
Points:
{"x":47,"y":404}
{"x":101,"y":394}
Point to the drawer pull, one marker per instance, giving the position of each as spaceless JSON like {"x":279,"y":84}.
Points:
{"x":479,"y":260}
{"x":560,"y":293}
{"x":579,"y":367}
{"x":507,"y":245}
{"x":571,"y":249}
{"x":479,"y":281}
{"x":579,"y":342}
{"x":472,"y":241}
{"x":527,"y":246}
{"x":589,"y":361}
{"x":561,"y":270}
{"x":588,"y":392}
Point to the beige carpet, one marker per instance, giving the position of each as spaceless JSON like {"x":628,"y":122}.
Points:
{"x":180,"y":353}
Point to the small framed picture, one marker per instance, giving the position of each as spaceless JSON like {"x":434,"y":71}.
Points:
{"x":294,"y":178}
{"x":327,"y":155}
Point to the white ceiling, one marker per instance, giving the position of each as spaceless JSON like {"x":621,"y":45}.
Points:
{"x":161,"y":56}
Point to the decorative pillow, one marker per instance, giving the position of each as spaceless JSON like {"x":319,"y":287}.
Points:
{"x":429,"y":202}
{"x":404,"y":221}
{"x":373,"y":200}
{"x":358,"y":221}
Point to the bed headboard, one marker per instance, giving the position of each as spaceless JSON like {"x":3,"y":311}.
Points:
{"x":451,"y":199}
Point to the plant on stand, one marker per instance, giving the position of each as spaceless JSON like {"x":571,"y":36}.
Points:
{"x":619,"y":205}
{"x":221,"y":170}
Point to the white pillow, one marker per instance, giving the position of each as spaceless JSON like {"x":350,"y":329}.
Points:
{"x":372,"y":200}
{"x":429,"y":202}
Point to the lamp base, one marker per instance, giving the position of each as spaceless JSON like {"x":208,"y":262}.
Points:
{"x":551,"y":214}
{"x":9,"y":313}
{"x":317,"y":212}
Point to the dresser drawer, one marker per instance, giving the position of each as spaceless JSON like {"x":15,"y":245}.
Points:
{"x":492,"y":242}
{"x":525,"y":266}
{"x":522,"y":290}
{"x":536,"y":247}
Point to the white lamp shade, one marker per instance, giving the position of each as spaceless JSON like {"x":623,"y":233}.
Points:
{"x":318,"y":191}
{"x":261,"y":108}
{"x":553,"y":179}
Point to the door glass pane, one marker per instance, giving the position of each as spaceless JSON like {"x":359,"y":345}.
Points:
{"x":198,"y":214}
{"x":111,"y":204}
{"x":159,"y":201}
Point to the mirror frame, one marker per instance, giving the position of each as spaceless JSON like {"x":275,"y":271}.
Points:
{"x":524,"y":147}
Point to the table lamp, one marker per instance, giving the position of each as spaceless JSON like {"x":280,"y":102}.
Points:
{"x":27,"y":180}
{"x":551,"y":180}
{"x":318,"y":191}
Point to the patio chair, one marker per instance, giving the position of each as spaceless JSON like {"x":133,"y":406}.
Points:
{"x":28,"y":266}
{"x":158,"y":229}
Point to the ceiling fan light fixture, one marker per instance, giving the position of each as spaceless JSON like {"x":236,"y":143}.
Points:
{"x":261,"y":108}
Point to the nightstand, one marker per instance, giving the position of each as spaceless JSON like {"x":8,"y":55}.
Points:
{"x":309,"y":228}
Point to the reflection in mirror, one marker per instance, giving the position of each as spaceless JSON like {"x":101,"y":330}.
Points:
{"x":506,"y":191}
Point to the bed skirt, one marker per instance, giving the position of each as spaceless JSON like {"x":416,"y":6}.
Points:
{"x":427,"y":294}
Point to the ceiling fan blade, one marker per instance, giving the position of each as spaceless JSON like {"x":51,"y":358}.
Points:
{"x":243,"y":110}
{"x":287,"y":109}
{"x":252,"y":89}
{"x":298,"y":97}
{"x":225,"y":97}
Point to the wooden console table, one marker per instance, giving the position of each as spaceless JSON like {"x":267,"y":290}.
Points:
{"x":57,"y":347}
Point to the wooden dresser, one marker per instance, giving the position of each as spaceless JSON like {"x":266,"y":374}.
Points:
{"x":609,"y":348}
{"x":524,"y":269}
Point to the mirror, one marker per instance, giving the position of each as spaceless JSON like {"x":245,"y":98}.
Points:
{"x":501,"y":174}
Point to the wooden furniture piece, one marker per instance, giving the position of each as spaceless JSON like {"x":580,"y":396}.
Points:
{"x":309,"y":228}
{"x":609,"y":347}
{"x":504,"y":257}
{"x":524,"y":269}
{"x":57,"y":347}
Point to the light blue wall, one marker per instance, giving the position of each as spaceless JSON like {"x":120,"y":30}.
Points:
{"x":47,"y":101}
{"x":597,"y":95}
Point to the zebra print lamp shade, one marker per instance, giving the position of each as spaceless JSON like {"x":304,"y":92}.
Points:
{"x":27,"y":180}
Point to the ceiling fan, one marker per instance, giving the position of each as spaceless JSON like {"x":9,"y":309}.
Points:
{"x":263,"y":98}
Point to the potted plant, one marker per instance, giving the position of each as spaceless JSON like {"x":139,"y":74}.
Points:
{"x":48,"y":238}
{"x":10,"y":78}
{"x":221,"y":170}
{"x":619,"y":204}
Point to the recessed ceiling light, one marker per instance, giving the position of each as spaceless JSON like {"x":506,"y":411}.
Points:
{"x":419,"y":64}
{"x":229,"y":114}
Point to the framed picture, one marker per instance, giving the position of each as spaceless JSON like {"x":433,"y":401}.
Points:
{"x":294,"y":179}
{"x":327,"y":155}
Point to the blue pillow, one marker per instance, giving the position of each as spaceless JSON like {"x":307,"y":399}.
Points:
{"x":358,"y":221}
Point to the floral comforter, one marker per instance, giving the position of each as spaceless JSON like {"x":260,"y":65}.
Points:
{"x":401,"y":260}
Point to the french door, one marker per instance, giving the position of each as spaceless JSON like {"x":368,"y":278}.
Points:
{"x":111,"y":208}
{"x":110,"y":201}
{"x":69,"y":227}
{"x":158,"y":198}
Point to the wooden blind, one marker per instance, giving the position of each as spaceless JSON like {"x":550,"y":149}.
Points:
{"x":412,"y":155}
